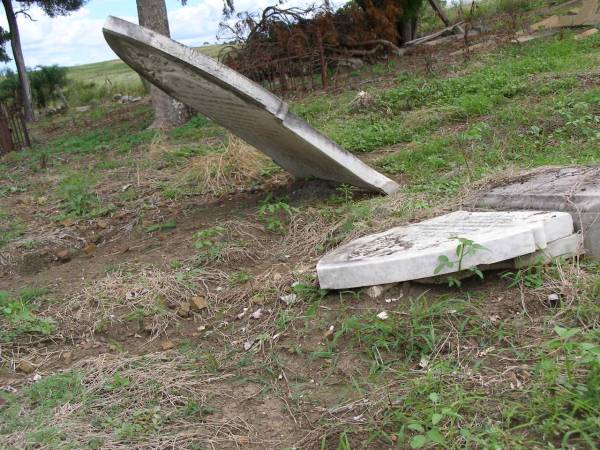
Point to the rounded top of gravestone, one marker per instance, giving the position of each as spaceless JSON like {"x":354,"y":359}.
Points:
{"x":149,"y":53}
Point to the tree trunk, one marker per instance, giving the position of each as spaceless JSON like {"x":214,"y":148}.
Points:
{"x":168,"y":112}
{"x":15,"y":41}
{"x":440,"y":12}
{"x":407,"y":29}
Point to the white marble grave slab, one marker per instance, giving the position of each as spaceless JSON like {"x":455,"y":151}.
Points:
{"x":240,"y":105}
{"x":412,"y":252}
{"x":566,"y":247}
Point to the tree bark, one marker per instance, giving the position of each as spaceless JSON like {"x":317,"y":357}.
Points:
{"x":407,"y":29}
{"x":15,"y":41}
{"x":168,"y":112}
{"x":440,"y":12}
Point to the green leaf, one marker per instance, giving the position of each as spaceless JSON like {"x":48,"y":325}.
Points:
{"x":566,"y":333}
{"x":435,"y":436}
{"x":453,"y":281}
{"x":418,"y":441}
{"x":161,"y":226}
{"x":434,"y":397}
{"x":451,"y":413}
{"x":443,"y":262}
{"x":436,"y":418}
{"x":416,"y":427}
{"x":477,"y":272}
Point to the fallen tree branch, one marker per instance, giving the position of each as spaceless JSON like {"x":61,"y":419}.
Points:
{"x":364,"y":52}
{"x":394,"y":48}
{"x":454,"y":28}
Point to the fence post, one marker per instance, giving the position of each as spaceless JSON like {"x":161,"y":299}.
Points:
{"x":6,"y":143}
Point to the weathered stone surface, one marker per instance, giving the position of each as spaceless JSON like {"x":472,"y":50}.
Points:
{"x":240,"y":105}
{"x":378,"y":291}
{"x":567,"y":247}
{"x":412,"y":252}
{"x":586,"y":33}
{"x":586,"y":15}
{"x":572,"y":189}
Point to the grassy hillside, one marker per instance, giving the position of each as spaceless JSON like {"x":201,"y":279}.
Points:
{"x":162,"y":285}
{"x":117,"y":72}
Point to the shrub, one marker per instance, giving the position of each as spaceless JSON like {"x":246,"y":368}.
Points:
{"x":47,"y":83}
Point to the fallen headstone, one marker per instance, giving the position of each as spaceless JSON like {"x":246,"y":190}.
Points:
{"x":586,"y":15}
{"x":240,"y":105}
{"x":575,"y":190}
{"x":586,"y":33}
{"x":567,"y":247}
{"x":523,"y":37}
{"x":433,"y":247}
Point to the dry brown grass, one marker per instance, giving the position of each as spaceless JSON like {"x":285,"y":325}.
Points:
{"x":161,"y":400}
{"x":150,"y":295}
{"x":237,"y":168}
{"x":240,"y":164}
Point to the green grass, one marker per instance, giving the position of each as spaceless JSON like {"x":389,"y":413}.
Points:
{"x":519,"y":106}
{"x":78,"y":199}
{"x":11,"y":227}
{"x":419,"y":106}
{"x":432,"y":400}
{"x":19,"y":315}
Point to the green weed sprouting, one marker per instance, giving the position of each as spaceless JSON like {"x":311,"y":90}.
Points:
{"x":77,"y":198}
{"x":239,"y":277}
{"x":19,"y":315}
{"x":466,"y":247}
{"x":346,"y":192}
{"x":531,"y":276}
{"x":210,"y":243}
{"x":275,"y":214}
{"x":161,"y":226}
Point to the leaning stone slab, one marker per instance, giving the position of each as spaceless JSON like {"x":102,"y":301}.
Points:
{"x":413,"y":252}
{"x":240,"y":105}
{"x":572,"y":189}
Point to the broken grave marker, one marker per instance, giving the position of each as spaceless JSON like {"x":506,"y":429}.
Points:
{"x":413,"y":251}
{"x":240,"y":105}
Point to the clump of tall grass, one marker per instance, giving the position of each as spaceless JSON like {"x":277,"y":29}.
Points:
{"x":83,"y":93}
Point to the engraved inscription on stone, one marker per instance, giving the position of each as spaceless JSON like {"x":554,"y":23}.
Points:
{"x":381,"y":246}
{"x":432,"y":232}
